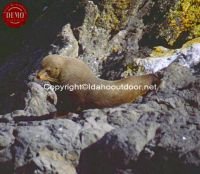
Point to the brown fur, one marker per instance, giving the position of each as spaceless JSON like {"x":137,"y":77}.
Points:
{"x":71,"y":71}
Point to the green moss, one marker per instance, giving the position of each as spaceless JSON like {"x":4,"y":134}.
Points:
{"x":184,"y":18}
{"x":114,"y":14}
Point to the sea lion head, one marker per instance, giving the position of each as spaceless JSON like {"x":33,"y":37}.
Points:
{"x":51,"y":67}
{"x":59,"y":69}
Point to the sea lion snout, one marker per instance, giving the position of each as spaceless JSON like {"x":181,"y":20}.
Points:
{"x":155,"y":80}
{"x":42,"y":75}
{"x":50,"y":70}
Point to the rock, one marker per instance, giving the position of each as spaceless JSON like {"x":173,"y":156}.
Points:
{"x":93,"y":40}
{"x":169,"y":136}
{"x":66,"y":44}
{"x":48,"y":161}
{"x":6,"y":141}
{"x":159,"y":133}
{"x":95,"y":125}
{"x":97,"y":42}
{"x":176,"y":77}
{"x":175,"y":28}
{"x":39,"y":101}
{"x":189,"y":57}
{"x":57,"y":143}
{"x":117,"y":148}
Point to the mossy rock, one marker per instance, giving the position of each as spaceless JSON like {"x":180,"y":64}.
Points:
{"x":114,"y":14}
{"x":183,"y":22}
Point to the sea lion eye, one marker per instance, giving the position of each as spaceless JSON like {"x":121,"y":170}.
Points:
{"x":48,"y":71}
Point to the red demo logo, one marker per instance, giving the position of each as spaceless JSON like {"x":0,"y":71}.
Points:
{"x":15,"y":14}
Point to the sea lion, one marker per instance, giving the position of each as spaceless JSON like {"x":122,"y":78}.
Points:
{"x":72,"y":71}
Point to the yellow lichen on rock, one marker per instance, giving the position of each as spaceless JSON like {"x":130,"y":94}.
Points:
{"x":160,"y":51}
{"x":114,"y":14}
{"x":190,"y":42}
{"x":184,"y":18}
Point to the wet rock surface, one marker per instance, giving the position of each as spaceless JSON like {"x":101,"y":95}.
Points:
{"x":159,"y":133}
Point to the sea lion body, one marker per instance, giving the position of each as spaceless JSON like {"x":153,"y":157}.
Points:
{"x":72,"y":71}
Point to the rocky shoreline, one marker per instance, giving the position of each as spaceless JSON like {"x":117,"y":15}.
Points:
{"x":159,"y":133}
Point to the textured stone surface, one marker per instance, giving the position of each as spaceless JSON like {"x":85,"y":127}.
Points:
{"x":52,"y":145}
{"x":189,"y":57}
{"x":66,"y":44}
{"x":154,"y":134}
{"x":159,"y":133}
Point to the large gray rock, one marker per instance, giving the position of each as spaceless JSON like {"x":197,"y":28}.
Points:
{"x":38,"y":100}
{"x":161,"y":129}
{"x":156,"y":134}
{"x":66,"y":44}
{"x":53,"y":145}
